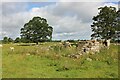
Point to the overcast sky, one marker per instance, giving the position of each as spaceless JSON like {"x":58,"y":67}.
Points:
{"x":70,"y":20}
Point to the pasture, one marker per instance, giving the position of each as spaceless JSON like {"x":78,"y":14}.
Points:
{"x":49,"y":60}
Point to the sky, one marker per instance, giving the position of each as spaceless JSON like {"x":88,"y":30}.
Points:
{"x":70,"y":19}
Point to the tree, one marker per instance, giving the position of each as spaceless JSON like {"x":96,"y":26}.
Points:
{"x":5,"y":40}
{"x":105,"y":23}
{"x":117,"y":36}
{"x":37,"y":30}
{"x":17,"y":40}
{"x":10,"y":39}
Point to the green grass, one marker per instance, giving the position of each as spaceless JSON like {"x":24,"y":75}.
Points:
{"x":52,"y":63}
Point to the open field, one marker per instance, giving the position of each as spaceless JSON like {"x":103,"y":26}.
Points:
{"x":43,"y":61}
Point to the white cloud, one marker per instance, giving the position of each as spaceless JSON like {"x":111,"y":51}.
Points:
{"x":70,"y":20}
{"x":83,"y":10}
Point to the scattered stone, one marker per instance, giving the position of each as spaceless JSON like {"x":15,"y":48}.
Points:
{"x":74,"y":56}
{"x":88,"y":59}
{"x":80,"y":54}
{"x":66,"y":44}
{"x":77,"y":56}
{"x":28,"y":54}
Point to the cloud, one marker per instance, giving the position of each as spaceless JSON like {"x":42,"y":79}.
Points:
{"x":83,"y":10}
{"x":12,"y":18}
{"x":70,"y":20}
{"x":9,"y":8}
{"x":3,"y":34}
{"x":1,"y":21}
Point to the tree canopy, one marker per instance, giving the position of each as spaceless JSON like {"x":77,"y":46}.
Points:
{"x":17,"y":40}
{"x":36,"y":30}
{"x":7,"y":40}
{"x":118,"y":25}
{"x":105,"y":24}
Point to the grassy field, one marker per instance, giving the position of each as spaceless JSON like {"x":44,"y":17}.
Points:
{"x":43,"y":61}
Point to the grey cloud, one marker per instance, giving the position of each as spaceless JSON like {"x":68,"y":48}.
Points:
{"x":83,"y":10}
{"x":12,"y":18}
{"x":9,"y":8}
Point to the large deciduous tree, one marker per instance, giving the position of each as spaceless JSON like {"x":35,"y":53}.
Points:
{"x":36,"y":30}
{"x":118,"y":26}
{"x":105,"y":24}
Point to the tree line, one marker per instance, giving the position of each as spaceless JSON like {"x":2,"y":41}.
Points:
{"x":10,"y":40}
{"x":106,"y":25}
{"x":7,"y":40}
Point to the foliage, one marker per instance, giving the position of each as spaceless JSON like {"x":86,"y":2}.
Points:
{"x":17,"y":40}
{"x":10,"y":40}
{"x":36,"y":30}
{"x":118,"y":26}
{"x":7,"y":40}
{"x":105,"y":23}
{"x":72,"y":40}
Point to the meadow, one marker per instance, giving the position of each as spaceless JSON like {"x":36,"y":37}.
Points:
{"x":49,"y":60}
